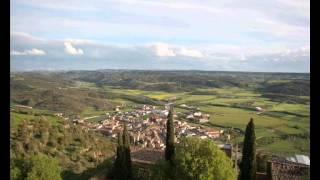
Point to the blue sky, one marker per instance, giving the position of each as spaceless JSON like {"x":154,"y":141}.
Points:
{"x":249,"y":35}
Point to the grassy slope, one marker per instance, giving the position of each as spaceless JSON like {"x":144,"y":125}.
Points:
{"x":80,"y":168}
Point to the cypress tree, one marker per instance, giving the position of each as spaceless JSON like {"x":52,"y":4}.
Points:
{"x":120,"y":144}
{"x":170,"y":149}
{"x":125,"y":136}
{"x":248,"y":163}
{"x":127,"y":173}
{"x":126,"y":144}
{"x":122,"y":166}
{"x":116,"y":171}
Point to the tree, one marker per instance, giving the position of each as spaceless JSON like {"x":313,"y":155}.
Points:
{"x":115,"y":172}
{"x":196,"y":159}
{"x":126,"y":154}
{"x":122,"y":165}
{"x":38,"y":167}
{"x":248,"y":164}
{"x":43,"y":168}
{"x":162,"y":170}
{"x":119,"y":150}
{"x":170,"y":148}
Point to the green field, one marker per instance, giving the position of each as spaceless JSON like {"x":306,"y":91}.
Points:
{"x":17,"y":118}
{"x":233,"y":107}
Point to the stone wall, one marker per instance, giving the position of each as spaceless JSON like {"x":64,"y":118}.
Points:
{"x":286,"y":170}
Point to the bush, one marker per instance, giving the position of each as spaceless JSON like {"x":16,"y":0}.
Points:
{"x":38,"y":167}
{"x":196,"y":159}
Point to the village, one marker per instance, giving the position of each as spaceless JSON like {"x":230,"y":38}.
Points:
{"x":147,"y":125}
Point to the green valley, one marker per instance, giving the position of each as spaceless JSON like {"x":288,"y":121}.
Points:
{"x":282,"y":118}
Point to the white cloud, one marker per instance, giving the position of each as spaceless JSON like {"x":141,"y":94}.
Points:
{"x":173,"y":5}
{"x":191,"y":53}
{"x":32,"y":52}
{"x":279,"y":29}
{"x":163,"y":50}
{"x":213,"y":57}
{"x":167,"y":50}
{"x":79,"y":41}
{"x":69,"y":49}
{"x":179,"y":21}
{"x":301,"y":8}
{"x":25,"y":35}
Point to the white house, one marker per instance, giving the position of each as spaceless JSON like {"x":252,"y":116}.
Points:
{"x":197,"y":114}
{"x":203,"y":137}
{"x":190,"y":116}
{"x":203,"y":120}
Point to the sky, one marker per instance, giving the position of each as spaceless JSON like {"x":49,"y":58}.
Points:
{"x":237,"y":35}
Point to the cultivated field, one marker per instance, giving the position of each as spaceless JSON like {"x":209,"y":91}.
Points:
{"x":233,"y":107}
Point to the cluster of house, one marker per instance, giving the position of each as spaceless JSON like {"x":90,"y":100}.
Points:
{"x":147,"y":126}
{"x":199,"y":117}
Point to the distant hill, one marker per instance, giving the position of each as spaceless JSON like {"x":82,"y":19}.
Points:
{"x":171,"y":81}
{"x":48,"y":92}
{"x":294,"y":87}
{"x":60,"y":91}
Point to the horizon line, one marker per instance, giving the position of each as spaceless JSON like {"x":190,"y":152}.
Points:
{"x":165,"y":70}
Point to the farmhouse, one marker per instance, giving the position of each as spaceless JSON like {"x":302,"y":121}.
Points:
{"x":197,"y":114}
{"x":190,"y":116}
{"x":78,"y":121}
{"x":203,"y":120}
{"x":213,"y":133}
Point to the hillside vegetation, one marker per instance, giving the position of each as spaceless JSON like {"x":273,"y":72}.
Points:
{"x":76,"y":149}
